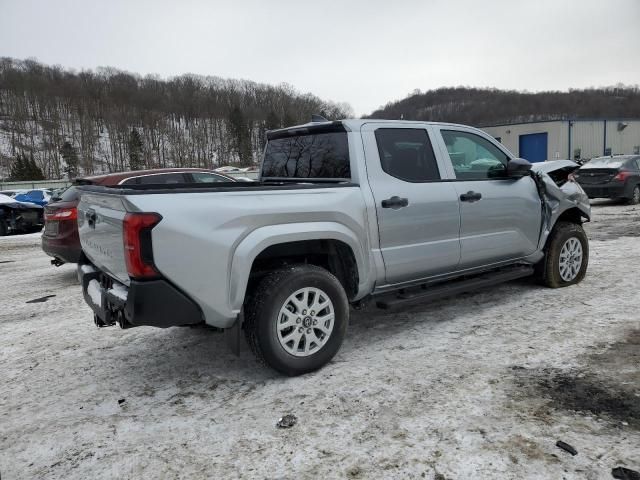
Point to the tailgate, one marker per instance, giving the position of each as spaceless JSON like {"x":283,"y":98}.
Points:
{"x":100,"y":220}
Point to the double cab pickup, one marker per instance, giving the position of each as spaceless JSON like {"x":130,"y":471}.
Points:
{"x":396,"y":212}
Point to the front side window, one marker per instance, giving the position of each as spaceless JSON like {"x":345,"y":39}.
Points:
{"x":407,"y":154}
{"x":320,"y":155}
{"x":474,"y":157}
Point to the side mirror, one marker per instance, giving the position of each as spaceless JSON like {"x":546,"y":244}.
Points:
{"x":518,"y":168}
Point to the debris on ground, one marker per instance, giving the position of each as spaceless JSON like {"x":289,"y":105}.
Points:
{"x":40,"y":299}
{"x":121,"y":401}
{"x":287,"y":421}
{"x":566,"y":447}
{"x":622,"y":473}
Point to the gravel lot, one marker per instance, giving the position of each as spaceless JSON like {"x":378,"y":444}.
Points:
{"x":480,"y":386}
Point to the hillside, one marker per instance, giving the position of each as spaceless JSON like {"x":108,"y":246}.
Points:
{"x":475,"y":106}
{"x":109,"y":120}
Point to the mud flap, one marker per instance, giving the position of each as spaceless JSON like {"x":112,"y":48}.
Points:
{"x":233,"y":335}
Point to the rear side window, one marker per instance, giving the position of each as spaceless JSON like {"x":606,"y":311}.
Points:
{"x":474,"y":157}
{"x":160,"y":179}
{"x":407,"y":154}
{"x":204,"y":177}
{"x":633,"y":164}
{"x":69,"y":195}
{"x":320,"y":155}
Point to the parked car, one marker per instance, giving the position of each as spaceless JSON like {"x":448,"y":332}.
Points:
{"x":18,"y":217}
{"x":60,"y":239}
{"x":611,"y":177}
{"x":39,"y":196}
{"x":344,"y":211}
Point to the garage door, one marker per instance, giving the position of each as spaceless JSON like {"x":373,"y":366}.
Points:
{"x":533,"y":147}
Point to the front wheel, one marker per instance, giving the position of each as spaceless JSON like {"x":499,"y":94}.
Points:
{"x":566,"y":257}
{"x":296,"y":319}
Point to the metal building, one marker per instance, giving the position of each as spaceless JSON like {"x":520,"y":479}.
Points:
{"x":569,"y":139}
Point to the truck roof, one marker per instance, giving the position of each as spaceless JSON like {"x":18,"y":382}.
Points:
{"x":349,"y":125}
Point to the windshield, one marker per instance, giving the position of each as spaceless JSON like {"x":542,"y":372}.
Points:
{"x":321,"y":155}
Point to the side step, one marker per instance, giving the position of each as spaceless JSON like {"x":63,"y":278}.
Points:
{"x":454,"y":287}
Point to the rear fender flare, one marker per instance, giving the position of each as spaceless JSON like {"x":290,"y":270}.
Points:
{"x":260,"y":239}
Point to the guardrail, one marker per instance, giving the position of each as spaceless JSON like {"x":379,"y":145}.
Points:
{"x":31,"y":185}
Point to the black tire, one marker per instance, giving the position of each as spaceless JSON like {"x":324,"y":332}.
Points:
{"x":635,"y":196}
{"x":4,"y":230}
{"x":262,"y":310}
{"x":549,"y":267}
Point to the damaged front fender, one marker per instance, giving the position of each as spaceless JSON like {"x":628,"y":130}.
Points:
{"x":559,"y":194}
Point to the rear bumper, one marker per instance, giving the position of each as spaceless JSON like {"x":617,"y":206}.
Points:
{"x":155,"y":303}
{"x":64,"y":244}
{"x":615,"y":190}
{"x":68,"y":253}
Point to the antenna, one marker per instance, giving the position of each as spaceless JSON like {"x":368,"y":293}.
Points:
{"x":318,"y":118}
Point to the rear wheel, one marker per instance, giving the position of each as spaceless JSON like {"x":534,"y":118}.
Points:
{"x":566,"y":257}
{"x":635,"y":196}
{"x":4,"y":230}
{"x":296,"y":319}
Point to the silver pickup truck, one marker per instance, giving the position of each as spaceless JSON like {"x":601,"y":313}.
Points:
{"x":346,"y":211}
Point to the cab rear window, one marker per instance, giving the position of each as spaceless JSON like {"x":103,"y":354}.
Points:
{"x":319,"y":155}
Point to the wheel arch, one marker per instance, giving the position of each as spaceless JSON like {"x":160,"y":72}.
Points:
{"x":572,"y":215}
{"x":327,"y":244}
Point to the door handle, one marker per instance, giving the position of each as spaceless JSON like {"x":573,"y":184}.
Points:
{"x":470,"y":196}
{"x":395,"y":202}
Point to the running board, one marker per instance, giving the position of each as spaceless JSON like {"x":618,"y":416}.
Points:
{"x":454,"y":287}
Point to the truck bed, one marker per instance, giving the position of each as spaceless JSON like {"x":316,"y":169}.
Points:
{"x":151,"y":189}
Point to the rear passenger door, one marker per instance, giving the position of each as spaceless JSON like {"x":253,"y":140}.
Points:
{"x":500,"y":216}
{"x":418,"y":214}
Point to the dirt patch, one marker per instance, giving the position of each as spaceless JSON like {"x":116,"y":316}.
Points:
{"x":588,"y":393}
{"x":607,"y":387}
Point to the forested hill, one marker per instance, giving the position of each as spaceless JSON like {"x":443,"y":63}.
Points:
{"x":476,"y":106}
{"x":109,"y":120}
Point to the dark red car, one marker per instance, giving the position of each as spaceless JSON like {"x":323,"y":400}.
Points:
{"x":60,"y":238}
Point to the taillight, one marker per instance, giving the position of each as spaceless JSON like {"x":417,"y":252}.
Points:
{"x":136,"y":236}
{"x":622,"y":176}
{"x":62,"y":214}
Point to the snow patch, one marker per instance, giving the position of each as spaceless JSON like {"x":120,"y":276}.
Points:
{"x":119,"y":291}
{"x":87,"y":269}
{"x":95,"y":292}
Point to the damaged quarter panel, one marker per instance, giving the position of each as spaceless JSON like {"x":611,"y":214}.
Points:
{"x":559,"y":194}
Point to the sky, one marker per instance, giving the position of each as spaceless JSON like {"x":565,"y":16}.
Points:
{"x":365,"y":53}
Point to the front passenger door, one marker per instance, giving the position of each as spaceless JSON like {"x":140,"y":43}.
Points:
{"x":500,"y":216}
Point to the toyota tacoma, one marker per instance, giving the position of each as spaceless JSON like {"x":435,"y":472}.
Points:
{"x":395,"y":212}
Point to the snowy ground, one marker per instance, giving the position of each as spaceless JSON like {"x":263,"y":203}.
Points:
{"x":481,"y":386}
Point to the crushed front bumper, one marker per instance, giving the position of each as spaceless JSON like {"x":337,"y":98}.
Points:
{"x":155,"y":303}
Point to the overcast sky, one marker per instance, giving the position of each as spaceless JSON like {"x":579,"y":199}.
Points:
{"x":364,"y":52}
